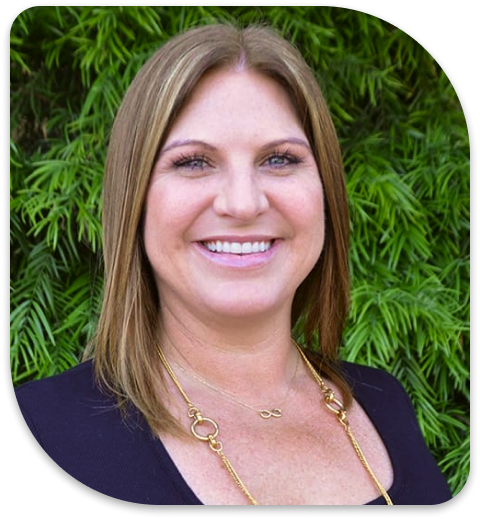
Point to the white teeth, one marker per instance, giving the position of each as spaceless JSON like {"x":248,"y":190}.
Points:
{"x":238,"y":248}
{"x":235,"y":248}
{"x":247,"y":248}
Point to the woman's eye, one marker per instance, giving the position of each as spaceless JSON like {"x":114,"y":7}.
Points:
{"x":193,"y":163}
{"x":279,"y":160}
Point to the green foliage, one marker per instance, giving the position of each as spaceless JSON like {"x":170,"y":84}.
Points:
{"x":406,"y":152}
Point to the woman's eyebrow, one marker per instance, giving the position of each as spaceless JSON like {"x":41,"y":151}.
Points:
{"x":197,"y":142}
{"x":287,"y":140}
{"x":187,"y":142}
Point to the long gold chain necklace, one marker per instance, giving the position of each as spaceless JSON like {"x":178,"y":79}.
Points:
{"x":265,"y":413}
{"x":332,"y":403}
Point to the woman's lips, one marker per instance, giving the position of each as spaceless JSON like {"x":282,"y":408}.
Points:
{"x":236,"y":254}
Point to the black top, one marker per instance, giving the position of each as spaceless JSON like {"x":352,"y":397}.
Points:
{"x":83,"y":432}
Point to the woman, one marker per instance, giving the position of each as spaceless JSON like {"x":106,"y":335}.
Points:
{"x":225,"y":228}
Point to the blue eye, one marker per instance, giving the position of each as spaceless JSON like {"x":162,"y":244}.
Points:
{"x":191,"y":162}
{"x":280,"y":160}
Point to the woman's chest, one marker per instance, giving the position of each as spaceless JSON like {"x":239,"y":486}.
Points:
{"x":283,"y":461}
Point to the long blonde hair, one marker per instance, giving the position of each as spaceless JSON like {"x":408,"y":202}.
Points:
{"x":124,"y":349}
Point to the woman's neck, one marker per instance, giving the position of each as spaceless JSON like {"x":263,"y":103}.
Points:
{"x":247,"y":360}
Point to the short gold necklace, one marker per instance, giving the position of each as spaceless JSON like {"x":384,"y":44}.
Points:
{"x":265,"y":413}
{"x":332,"y":403}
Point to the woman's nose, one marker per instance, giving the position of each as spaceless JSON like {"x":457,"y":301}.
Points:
{"x":241,"y":195}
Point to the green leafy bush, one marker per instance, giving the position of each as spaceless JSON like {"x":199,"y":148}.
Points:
{"x":406,"y":152}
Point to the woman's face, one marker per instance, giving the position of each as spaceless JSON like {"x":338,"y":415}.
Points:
{"x":234,"y":212}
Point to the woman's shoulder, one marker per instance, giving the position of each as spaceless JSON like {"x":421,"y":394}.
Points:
{"x":83,"y":430}
{"x":367,"y":378}
{"x":377,"y":390}
{"x":64,"y":403}
{"x":74,"y":383}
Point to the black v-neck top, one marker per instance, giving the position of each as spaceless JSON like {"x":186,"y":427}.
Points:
{"x":84,"y":433}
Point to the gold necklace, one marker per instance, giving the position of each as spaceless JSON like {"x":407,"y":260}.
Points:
{"x":332,"y":403}
{"x":273,"y":412}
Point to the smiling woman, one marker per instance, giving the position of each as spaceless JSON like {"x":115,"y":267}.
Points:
{"x":226,"y":227}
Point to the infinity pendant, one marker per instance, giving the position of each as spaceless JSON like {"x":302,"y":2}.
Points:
{"x":265,"y":413}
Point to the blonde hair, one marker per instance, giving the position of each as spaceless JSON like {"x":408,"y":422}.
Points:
{"x":125,"y":346}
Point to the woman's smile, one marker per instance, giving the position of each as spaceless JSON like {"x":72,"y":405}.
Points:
{"x":235,"y":247}
{"x":239,"y":254}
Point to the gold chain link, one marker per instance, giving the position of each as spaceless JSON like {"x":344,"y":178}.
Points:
{"x":337,"y":407}
{"x":198,"y":419}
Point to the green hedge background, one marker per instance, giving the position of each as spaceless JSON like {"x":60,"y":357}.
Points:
{"x":406,"y":152}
